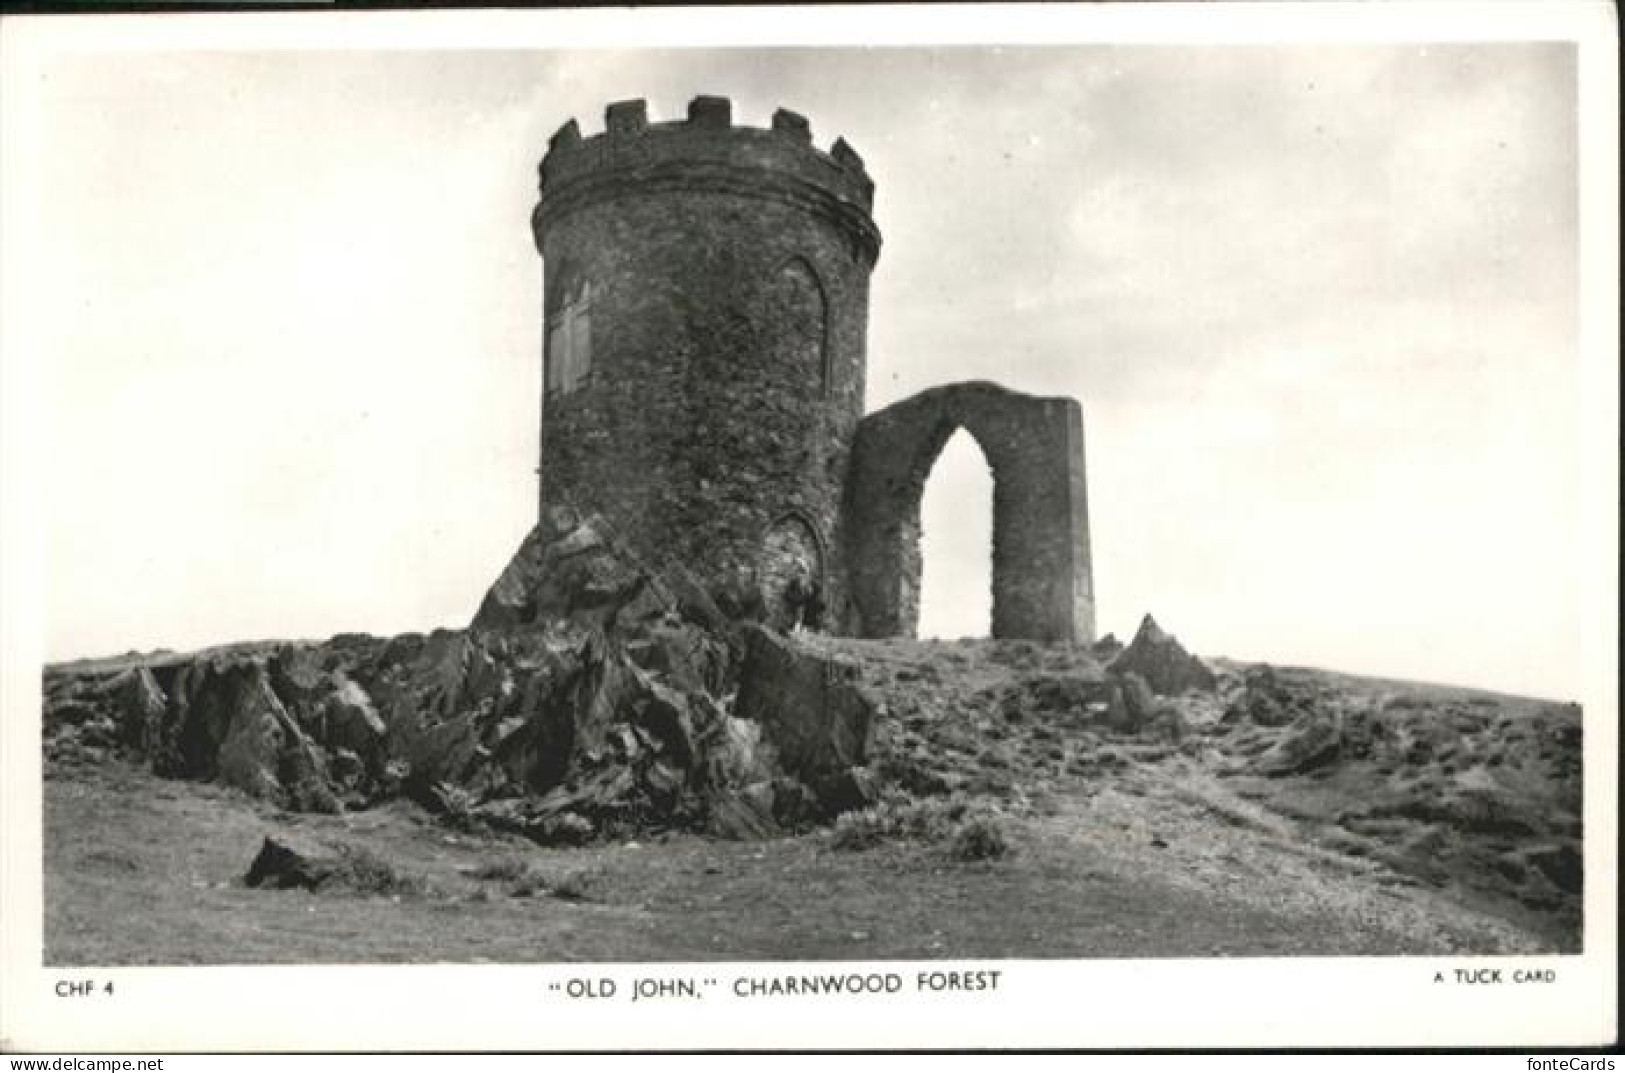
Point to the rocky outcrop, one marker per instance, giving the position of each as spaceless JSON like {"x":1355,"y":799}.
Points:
{"x":1163,"y":663}
{"x":1135,"y":709}
{"x":592,"y":698}
{"x":1107,"y":648}
{"x":814,"y":713}
{"x":1313,"y":741}
{"x":578,"y":568}
{"x":1269,"y":699}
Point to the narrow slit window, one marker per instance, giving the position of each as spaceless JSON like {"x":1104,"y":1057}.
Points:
{"x":803,"y":315}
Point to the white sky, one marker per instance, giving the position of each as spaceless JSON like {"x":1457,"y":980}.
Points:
{"x":1319,"y":305}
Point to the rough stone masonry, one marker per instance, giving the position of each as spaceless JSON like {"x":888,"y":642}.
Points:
{"x":706,"y":294}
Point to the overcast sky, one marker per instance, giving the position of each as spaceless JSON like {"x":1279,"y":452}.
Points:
{"x":1318,"y":304}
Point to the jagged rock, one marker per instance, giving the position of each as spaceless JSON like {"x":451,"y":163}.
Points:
{"x":221,"y":720}
{"x":844,"y":791}
{"x":689,"y":657}
{"x":793,"y":804}
{"x":100,"y":732}
{"x":284,"y":862}
{"x":1117,"y":715}
{"x":570,"y":567}
{"x":815,"y":715}
{"x":1132,"y":708}
{"x":349,"y":721}
{"x":1139,"y":702}
{"x":1159,"y":658}
{"x":511,"y":600}
{"x":611,"y":718}
{"x":481,"y":715}
{"x":299,"y":682}
{"x":307,"y":784}
{"x":738,"y":756}
{"x":1167,"y":724}
{"x":235,"y":728}
{"x":1107,"y":647}
{"x":74,"y":711}
{"x":433,"y":752}
{"x":1069,"y":696}
{"x":744,"y":815}
{"x":141,"y":704}
{"x":666,"y":715}
{"x":811,"y":708}
{"x":347,"y":767}
{"x":613,"y":799}
{"x":565,"y":829}
{"x":1267,"y":700}
{"x":1313,"y":741}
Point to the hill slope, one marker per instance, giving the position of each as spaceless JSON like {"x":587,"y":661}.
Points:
{"x":608,"y":766}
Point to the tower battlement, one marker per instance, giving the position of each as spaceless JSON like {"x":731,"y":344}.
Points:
{"x":707,"y":152}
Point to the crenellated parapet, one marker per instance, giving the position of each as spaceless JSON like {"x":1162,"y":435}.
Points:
{"x":707,"y":153}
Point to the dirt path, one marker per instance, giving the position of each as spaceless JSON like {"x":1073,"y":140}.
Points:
{"x":1174,"y":828}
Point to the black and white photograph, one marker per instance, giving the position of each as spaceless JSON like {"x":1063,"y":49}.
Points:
{"x":807,"y":528}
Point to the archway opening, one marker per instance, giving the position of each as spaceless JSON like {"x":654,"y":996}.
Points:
{"x":956,"y":543}
{"x":790,"y":572}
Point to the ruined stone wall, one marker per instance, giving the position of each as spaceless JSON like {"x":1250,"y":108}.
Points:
{"x":728,"y":275}
{"x":1042,"y":582}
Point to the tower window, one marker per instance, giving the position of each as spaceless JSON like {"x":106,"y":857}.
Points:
{"x":801,"y":314}
{"x":569,"y":339}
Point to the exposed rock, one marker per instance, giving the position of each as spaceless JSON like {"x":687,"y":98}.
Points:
{"x":1311,"y":742}
{"x":668,"y":718}
{"x":845,"y":791}
{"x":1139,"y":703}
{"x":287,"y":861}
{"x":299,"y":682}
{"x":811,"y":708}
{"x":284,"y":861}
{"x":574,"y":568}
{"x":745,"y":814}
{"x":349,"y":721}
{"x":512,"y":599}
{"x":1267,"y":699}
{"x":347,"y":768}
{"x":453,"y":719}
{"x":233,"y":727}
{"x":691,"y":658}
{"x":434,"y":753}
{"x":74,"y":711}
{"x":1068,"y":697}
{"x":565,"y":829}
{"x":1168,"y":723}
{"x":1159,"y":658}
{"x":794,"y":806}
{"x":141,"y":704}
{"x":740,"y":757}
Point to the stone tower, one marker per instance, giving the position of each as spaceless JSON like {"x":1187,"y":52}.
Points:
{"x":706,"y":293}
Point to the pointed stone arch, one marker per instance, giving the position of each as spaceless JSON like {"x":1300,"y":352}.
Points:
{"x":1042,"y":585}
{"x":792,"y":572}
